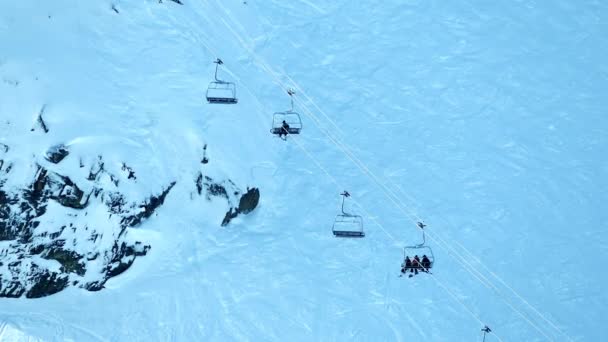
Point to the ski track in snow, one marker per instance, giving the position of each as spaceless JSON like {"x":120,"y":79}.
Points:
{"x":486,"y":120}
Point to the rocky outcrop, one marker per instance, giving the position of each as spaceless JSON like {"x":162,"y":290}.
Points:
{"x":39,"y":257}
{"x":57,"y":153}
{"x":247,"y":202}
{"x":47,"y":283}
{"x":54,"y":230}
{"x":147,"y":208}
{"x":71,"y":262}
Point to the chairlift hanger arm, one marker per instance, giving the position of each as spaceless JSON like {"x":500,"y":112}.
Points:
{"x":291,"y":93}
{"x":421,"y":226}
{"x":217,"y":62}
{"x":344,"y":195}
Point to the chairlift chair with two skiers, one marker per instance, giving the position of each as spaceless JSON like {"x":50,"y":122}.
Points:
{"x":287,"y":122}
{"x":220,"y":91}
{"x":418,"y":258}
{"x":348,"y":225}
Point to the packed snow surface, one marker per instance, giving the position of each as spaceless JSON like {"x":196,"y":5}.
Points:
{"x":486,"y":120}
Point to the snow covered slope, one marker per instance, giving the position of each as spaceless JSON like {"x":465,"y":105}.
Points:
{"x":485,"y":120}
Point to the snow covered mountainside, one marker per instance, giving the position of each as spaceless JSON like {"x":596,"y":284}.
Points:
{"x":75,"y":182}
{"x":119,"y":183}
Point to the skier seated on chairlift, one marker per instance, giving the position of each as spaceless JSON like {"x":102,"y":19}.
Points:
{"x":416,"y":264}
{"x":407,"y":265}
{"x":284,"y":130}
{"x":426,"y":263}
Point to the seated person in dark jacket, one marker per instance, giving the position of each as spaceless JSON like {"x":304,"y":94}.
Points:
{"x":284,"y":130}
{"x":407,"y":265}
{"x":416,"y":263}
{"x":426,"y":263}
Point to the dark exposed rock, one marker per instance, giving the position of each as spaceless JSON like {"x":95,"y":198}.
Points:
{"x":199,"y":183}
{"x":47,"y":284}
{"x":8,"y":230}
{"x":39,"y":183}
{"x":205,"y":160}
{"x":232,"y":213}
{"x":14,"y":289}
{"x":95,"y":286}
{"x":55,"y":235}
{"x":117,"y":203}
{"x":96,"y":169}
{"x":119,"y":267}
{"x":131,"y":173}
{"x":148,"y":208}
{"x":40,"y":120}
{"x":69,"y":260}
{"x":214,"y":189}
{"x":70,"y":195}
{"x":37,"y":249}
{"x":249,"y":201}
{"x":247,"y":204}
{"x":54,"y":186}
{"x":228,"y":190}
{"x":57,"y":153}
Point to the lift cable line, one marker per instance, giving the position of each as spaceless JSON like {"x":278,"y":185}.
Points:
{"x":269,"y":71}
{"x":440,"y":283}
{"x":341,"y":145}
{"x":262,"y":64}
{"x":317,"y":163}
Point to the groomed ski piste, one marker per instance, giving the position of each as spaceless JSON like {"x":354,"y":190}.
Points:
{"x":485,"y":120}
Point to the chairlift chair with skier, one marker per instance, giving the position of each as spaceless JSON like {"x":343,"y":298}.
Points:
{"x":287,"y":122}
{"x":419,"y":258}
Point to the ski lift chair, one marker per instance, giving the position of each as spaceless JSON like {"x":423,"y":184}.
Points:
{"x":220,"y":91}
{"x":290,"y":117}
{"x":419,"y":250}
{"x":347,"y":225}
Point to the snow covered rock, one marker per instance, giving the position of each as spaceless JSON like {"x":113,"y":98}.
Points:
{"x":51,"y":234}
{"x":59,"y":230}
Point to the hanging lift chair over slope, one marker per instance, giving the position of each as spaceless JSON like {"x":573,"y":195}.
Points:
{"x":287,"y":122}
{"x":219,"y":91}
{"x":347,"y":225}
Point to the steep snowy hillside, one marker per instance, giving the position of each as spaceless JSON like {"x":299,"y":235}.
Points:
{"x":484,"y":120}
{"x":90,"y":167}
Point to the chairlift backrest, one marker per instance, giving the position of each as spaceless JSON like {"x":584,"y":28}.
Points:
{"x":348,"y":226}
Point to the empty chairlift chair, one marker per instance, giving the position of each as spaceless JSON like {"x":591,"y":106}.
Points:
{"x":348,"y":225}
{"x":418,"y":258}
{"x":220,"y":91}
{"x":287,"y":122}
